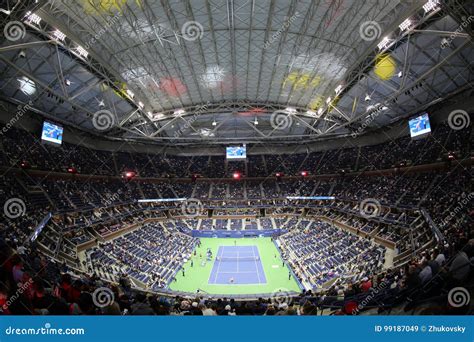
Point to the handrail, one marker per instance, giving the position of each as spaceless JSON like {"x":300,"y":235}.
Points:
{"x":39,"y":228}
{"x":437,"y":233}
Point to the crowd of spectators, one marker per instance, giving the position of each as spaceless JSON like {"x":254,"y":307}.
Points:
{"x":320,"y":252}
{"x":91,"y":209}
{"x":152,"y":255}
{"x":32,"y":284}
{"x":21,"y":147}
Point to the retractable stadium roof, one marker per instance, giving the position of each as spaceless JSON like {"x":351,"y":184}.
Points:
{"x":233,"y":71}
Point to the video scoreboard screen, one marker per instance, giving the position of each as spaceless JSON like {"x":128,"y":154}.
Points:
{"x":236,"y":152}
{"x":419,"y":125}
{"x":52,"y":133}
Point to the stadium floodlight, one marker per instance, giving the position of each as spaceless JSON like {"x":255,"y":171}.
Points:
{"x":82,"y":52}
{"x":431,"y":5}
{"x":27,"y":86}
{"x":384,"y":43}
{"x":59,"y":35}
{"x":338,"y":89}
{"x":140,"y":104}
{"x":130,"y":93}
{"x":406,"y":24}
{"x":328,"y":100}
{"x":32,"y":18}
{"x":155,"y":116}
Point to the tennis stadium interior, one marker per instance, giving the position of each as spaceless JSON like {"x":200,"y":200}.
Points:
{"x":236,"y":157}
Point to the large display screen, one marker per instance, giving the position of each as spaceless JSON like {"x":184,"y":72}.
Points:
{"x":236,"y":152}
{"x":52,"y":133}
{"x":419,"y":125}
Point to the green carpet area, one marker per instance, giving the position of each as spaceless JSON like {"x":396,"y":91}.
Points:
{"x":197,"y":277}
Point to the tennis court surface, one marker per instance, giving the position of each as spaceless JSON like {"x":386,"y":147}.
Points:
{"x":241,"y":264}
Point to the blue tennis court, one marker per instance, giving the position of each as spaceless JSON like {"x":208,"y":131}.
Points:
{"x":237,"y":265}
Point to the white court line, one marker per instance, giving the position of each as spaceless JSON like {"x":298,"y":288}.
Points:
{"x":218,"y":265}
{"x":238,"y":262}
{"x":224,"y":272}
{"x":224,"y":252}
{"x":256,"y":266}
{"x":233,"y":254}
{"x":256,"y":284}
